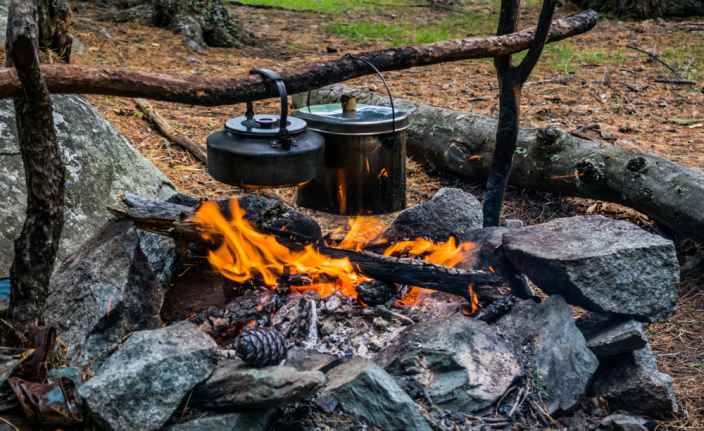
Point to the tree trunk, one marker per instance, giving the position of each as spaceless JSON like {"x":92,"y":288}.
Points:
{"x":36,"y":247}
{"x":202,"y":22}
{"x":549,"y":160}
{"x":54,"y":25}
{"x":645,"y":9}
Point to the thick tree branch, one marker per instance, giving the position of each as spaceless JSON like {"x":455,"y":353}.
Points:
{"x":35,"y":249}
{"x":208,"y":91}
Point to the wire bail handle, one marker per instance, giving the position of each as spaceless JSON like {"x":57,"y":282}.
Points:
{"x":283,"y":94}
{"x":386,"y":85}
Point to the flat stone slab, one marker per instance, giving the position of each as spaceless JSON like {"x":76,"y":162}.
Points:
{"x":599,"y":264}
{"x":235,"y":385}
{"x":461,"y":363}
{"x":363,"y":389}
{"x":142,"y":384}
{"x":607,"y":336}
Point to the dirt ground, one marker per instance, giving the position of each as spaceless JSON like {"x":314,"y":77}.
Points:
{"x":594,"y":86}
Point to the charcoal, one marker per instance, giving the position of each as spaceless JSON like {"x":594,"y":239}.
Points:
{"x":376,"y":292}
{"x":497,"y":309}
{"x":599,"y":264}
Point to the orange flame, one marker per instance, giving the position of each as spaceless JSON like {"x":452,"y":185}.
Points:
{"x":245,"y":253}
{"x":342,"y":191}
{"x":363,"y":230}
{"x":383,"y":174}
{"x":448,"y":253}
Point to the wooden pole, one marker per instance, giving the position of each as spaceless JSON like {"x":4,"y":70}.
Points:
{"x":37,"y":245}
{"x":511,"y":80}
{"x":209,"y":91}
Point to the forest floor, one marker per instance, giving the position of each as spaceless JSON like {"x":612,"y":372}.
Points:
{"x":592,"y":85}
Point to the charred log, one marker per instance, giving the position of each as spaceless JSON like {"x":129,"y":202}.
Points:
{"x":37,"y":245}
{"x":54,"y":27}
{"x":212,"y":91}
{"x":173,"y":220}
{"x":645,"y":9}
{"x":551,"y":160}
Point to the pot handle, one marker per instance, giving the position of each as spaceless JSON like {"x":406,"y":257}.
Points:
{"x":386,"y":85}
{"x":283,"y":118}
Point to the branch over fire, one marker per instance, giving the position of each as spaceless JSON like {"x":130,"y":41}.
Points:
{"x":209,"y":91}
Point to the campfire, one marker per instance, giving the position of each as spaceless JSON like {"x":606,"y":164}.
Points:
{"x":246,"y":254}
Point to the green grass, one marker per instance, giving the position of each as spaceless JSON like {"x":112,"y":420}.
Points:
{"x":566,"y":57}
{"x":328,"y":6}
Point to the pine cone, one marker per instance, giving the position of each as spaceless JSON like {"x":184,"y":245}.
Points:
{"x":260,"y":347}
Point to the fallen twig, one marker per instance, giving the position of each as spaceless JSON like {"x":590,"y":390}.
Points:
{"x":163,"y":127}
{"x":657,"y":58}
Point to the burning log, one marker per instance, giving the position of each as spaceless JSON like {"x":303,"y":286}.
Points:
{"x":209,"y":91}
{"x":177,"y":221}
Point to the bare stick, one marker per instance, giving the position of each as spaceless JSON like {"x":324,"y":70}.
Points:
{"x":208,"y":91}
{"x":163,"y":127}
{"x":37,"y":245}
{"x":657,"y":58}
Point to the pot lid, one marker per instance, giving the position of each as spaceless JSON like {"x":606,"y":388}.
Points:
{"x":365,"y":120}
{"x":263,"y":125}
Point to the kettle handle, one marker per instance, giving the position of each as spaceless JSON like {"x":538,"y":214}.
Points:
{"x":383,"y":80}
{"x":283,"y":94}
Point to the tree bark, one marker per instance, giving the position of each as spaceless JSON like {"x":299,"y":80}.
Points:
{"x":212,"y":91}
{"x":174,"y":220}
{"x":54,"y":27}
{"x":35,"y":249}
{"x":549,"y":160}
{"x":646,"y":9}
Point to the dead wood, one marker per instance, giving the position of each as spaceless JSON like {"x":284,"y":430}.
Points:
{"x":174,"y":220}
{"x":37,"y":245}
{"x":550,"y":160}
{"x":208,"y":91}
{"x":163,"y":127}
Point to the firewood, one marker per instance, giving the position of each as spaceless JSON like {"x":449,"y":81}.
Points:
{"x":174,"y":220}
{"x":209,"y":91}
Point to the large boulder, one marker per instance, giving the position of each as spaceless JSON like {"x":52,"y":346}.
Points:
{"x":112,"y":287}
{"x":632,"y":382}
{"x":141,"y":385}
{"x":100,"y":163}
{"x":235,"y":385}
{"x":600,"y":264}
{"x":451,"y":212}
{"x":460,"y":363}
{"x":362,"y":389}
{"x":557,"y":354}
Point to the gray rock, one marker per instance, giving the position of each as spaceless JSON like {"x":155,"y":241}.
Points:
{"x":141,"y":385}
{"x":632,"y":382}
{"x":113,"y":286}
{"x":619,"y":422}
{"x":556,"y":352}
{"x":234,"y":385}
{"x":362,"y":389}
{"x":100,"y":163}
{"x":246,"y":421}
{"x":611,"y":336}
{"x":460,"y":363}
{"x":304,"y":359}
{"x":451,"y":212}
{"x":599,"y":264}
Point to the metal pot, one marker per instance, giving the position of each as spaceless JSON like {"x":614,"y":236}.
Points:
{"x":265,"y":150}
{"x":364,"y":169}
